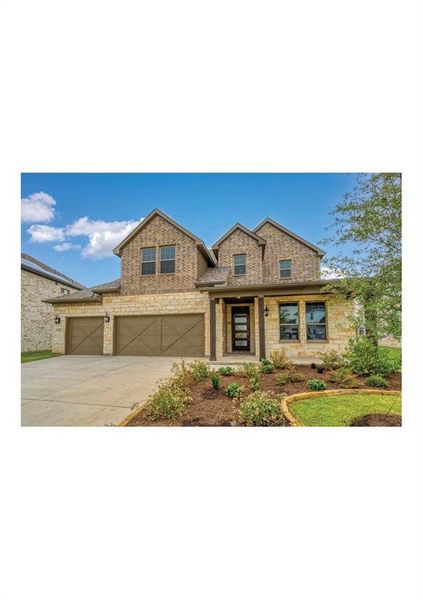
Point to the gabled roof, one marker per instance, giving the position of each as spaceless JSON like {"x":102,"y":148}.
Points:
{"x":92,"y":294}
{"x":214,"y":275}
{"x":319,"y":251}
{"x":261,"y":241}
{"x":33,"y":265}
{"x":156,"y":212}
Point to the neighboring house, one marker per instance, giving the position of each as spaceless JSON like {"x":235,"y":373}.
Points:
{"x":38,"y":282}
{"x":254,"y":291}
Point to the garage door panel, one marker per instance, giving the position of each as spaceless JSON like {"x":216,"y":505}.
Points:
{"x":162,"y":335}
{"x":85,"y":335}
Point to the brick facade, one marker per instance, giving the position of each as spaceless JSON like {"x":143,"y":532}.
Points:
{"x":37,"y":317}
{"x":239,"y":242}
{"x":281,"y":246}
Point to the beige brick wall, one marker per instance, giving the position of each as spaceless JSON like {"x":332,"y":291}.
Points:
{"x":37,"y":318}
{"x":280,"y":246}
{"x":339,"y":329}
{"x":159,"y":232}
{"x":115,"y":305}
{"x":240,"y":242}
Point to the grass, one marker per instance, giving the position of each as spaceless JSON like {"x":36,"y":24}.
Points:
{"x":38,"y":355}
{"x":338,"y":411}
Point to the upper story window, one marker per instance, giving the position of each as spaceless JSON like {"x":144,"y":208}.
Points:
{"x":240,"y":264}
{"x":285,"y":268}
{"x":316,"y":320}
{"x":148,"y":261}
{"x":167,"y":259}
{"x":288,"y":321}
{"x":64,"y":291}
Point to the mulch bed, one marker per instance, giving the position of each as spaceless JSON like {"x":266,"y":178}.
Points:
{"x":211,"y":408}
{"x":377,"y":420}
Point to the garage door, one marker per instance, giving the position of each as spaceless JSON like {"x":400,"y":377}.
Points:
{"x":163,"y":335}
{"x":85,"y":335}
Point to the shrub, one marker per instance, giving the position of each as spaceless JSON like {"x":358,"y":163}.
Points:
{"x":200,"y":370}
{"x":266,"y":366}
{"x":283,"y":378}
{"x":260,"y":409}
{"x":167,"y":403}
{"x":316,"y":384}
{"x":248,"y":369}
{"x":234,"y":390}
{"x":331,"y":360}
{"x":377,"y":381}
{"x":296,"y":376}
{"x":182,"y":374}
{"x":280,"y":360}
{"x":344,"y":378}
{"x":226,"y":371}
{"x":215,"y":379}
{"x":364,"y":358}
{"x":255,"y":382}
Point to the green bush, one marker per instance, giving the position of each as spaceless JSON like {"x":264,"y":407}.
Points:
{"x":167,"y":403}
{"x":331,"y":360}
{"x":200,"y":370}
{"x":234,"y":390}
{"x":316,"y":385}
{"x":266,"y":366}
{"x":280,"y":360}
{"x":248,"y":369}
{"x":215,"y":379}
{"x":344,"y":378}
{"x":226,"y":371}
{"x":260,"y":409}
{"x":255,"y":382}
{"x":182,"y":374}
{"x":364,"y":358}
{"x":296,"y":376}
{"x":283,"y":378}
{"x":377,"y":381}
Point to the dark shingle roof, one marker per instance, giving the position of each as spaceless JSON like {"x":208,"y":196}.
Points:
{"x":33,"y":265}
{"x":216,"y":275}
{"x":92,"y":294}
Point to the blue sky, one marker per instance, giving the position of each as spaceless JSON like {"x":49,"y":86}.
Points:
{"x":72,"y":221}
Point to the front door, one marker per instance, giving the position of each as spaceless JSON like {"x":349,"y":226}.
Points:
{"x":240,"y":329}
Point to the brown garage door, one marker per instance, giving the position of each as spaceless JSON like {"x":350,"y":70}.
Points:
{"x":162,"y":335}
{"x":85,"y":335}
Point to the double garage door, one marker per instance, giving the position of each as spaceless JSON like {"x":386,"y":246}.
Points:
{"x":159,"y":335}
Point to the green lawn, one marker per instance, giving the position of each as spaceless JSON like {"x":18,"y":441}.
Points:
{"x":29,"y":356}
{"x":338,"y":411}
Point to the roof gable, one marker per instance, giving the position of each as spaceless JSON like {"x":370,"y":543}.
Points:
{"x":318,"y":250}
{"x":33,"y":265}
{"x":156,"y":212}
{"x":261,"y":241}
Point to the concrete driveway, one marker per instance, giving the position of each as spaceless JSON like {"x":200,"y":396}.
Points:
{"x":88,"y":390}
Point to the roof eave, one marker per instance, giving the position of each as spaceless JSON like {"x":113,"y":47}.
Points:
{"x":318,"y":250}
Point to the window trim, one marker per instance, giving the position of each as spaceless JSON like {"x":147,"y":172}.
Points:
{"x":161,"y":260}
{"x":280,"y":270}
{"x":298,"y":325}
{"x":148,"y":261}
{"x":64,"y":291}
{"x":245,"y":264}
{"x":325,"y":324}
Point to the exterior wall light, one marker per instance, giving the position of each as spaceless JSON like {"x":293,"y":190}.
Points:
{"x":266,"y":311}
{"x":107,"y":318}
{"x":57,"y":320}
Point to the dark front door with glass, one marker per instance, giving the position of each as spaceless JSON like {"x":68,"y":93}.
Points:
{"x":240,"y":329}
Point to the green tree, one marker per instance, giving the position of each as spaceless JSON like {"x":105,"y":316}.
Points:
{"x":368,"y":220}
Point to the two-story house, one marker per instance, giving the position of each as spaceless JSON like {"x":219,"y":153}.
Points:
{"x":253,"y":291}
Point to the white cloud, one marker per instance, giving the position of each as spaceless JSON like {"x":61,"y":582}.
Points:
{"x":330,"y":273}
{"x":37,"y":208}
{"x":103,"y":236}
{"x":66,"y":246}
{"x":45,"y":233}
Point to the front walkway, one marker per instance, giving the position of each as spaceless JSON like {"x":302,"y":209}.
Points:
{"x":88,"y":390}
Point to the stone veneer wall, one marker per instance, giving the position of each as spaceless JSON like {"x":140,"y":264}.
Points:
{"x":240,"y":242}
{"x":115,"y":305}
{"x":280,"y":246}
{"x":339,"y":328}
{"x":37,"y":317}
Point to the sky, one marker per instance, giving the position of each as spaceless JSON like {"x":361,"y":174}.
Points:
{"x":72,"y":221}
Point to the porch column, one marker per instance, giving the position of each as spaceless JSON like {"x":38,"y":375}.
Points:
{"x":212,"y":329}
{"x":262,"y":341}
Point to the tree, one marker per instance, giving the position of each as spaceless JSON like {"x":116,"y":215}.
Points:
{"x":368,"y":220}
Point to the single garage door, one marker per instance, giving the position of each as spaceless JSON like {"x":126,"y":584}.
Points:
{"x":85,"y":335}
{"x":161,"y":335}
